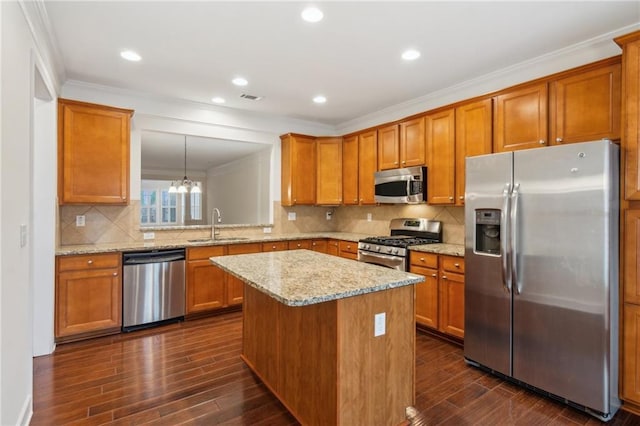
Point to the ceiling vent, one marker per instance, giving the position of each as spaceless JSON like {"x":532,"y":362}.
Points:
{"x":251,"y":97}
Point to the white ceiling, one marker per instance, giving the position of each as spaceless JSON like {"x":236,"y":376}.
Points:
{"x":192,"y":50}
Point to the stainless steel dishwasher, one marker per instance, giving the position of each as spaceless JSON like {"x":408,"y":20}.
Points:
{"x":153,"y":288}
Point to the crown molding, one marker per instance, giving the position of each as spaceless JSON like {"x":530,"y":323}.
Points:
{"x":582,"y":53}
{"x":35,"y":14}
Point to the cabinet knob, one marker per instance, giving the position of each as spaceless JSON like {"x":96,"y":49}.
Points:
{"x":541,"y":142}
{"x":404,"y":162}
{"x":444,"y":277}
{"x":273,"y":247}
{"x":457,"y":265}
{"x":461,"y":197}
{"x":115,"y":274}
{"x":395,"y":162}
{"x":355,"y":200}
{"x":299,"y":245}
{"x":433,"y":275}
{"x":559,"y":140}
{"x":450,"y":198}
{"x":313,"y":244}
{"x":90,"y":262}
{"x":361,"y":200}
{"x":422,"y":259}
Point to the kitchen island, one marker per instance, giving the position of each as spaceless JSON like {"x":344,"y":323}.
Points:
{"x":333,"y":339}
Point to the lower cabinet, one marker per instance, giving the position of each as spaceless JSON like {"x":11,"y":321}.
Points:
{"x":235,"y":286}
{"x":333,"y":247}
{"x":348,"y":250}
{"x":206,"y":283}
{"x":440,"y":298}
{"x":88,"y":296}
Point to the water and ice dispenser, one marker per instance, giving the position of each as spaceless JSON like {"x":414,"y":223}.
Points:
{"x":487,"y":231}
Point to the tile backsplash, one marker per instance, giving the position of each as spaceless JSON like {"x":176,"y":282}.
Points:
{"x":121,"y":224}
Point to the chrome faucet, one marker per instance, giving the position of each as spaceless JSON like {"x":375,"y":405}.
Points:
{"x":213,"y":222}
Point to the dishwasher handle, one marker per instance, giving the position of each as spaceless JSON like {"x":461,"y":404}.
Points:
{"x":141,"y":258}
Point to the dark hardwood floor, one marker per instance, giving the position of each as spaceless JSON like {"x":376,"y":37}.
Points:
{"x":191,"y":373}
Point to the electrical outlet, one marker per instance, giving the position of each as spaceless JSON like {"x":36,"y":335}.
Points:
{"x":291,"y":216}
{"x":379,"y":324}
{"x":148,"y":235}
{"x":80,"y":220}
{"x":329,"y":215}
{"x":266,"y":230}
{"x":369,"y":217}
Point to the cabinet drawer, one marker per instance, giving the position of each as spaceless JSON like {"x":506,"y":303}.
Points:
{"x":275,"y":246}
{"x":88,"y":261}
{"x":425,"y":260}
{"x":300,"y":244}
{"x":348,"y":247}
{"x":197,"y":253}
{"x":453,"y":264}
{"x":244,"y":248}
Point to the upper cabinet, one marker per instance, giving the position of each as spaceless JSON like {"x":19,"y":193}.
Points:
{"x":93,"y":153}
{"x":585,"y":106}
{"x":440,"y":129}
{"x":402,"y":145}
{"x":329,"y":171}
{"x":473,"y":137}
{"x":520,"y":119}
{"x":367,"y":162}
{"x":298,"y":169}
{"x":388,"y":148}
{"x":631,"y":113}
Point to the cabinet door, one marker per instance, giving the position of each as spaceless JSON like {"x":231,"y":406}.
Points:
{"x":319,"y":246}
{"x":412,"y":143}
{"x":348,"y":250}
{"x":440,"y":152}
{"x":520,"y":119}
{"x":427,"y":297}
{"x":298,"y":170}
{"x":333,"y":247}
{"x":630,"y":374}
{"x":235,"y":286}
{"x":631,"y":114}
{"x":93,"y":153}
{"x":631,"y":268}
{"x":350,"y":170}
{"x":205,"y":286}
{"x":367,"y":166}
{"x":388,"y":148}
{"x":473,"y":137}
{"x":329,"y":169}
{"x":88,"y":301}
{"x":452,"y":304}
{"x":299,"y":244}
{"x":586,"y":106}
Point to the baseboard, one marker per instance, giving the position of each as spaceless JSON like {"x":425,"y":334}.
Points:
{"x":27,"y":412}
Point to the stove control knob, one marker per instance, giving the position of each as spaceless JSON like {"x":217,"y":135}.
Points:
{"x":395,"y":251}
{"x":367,"y":246}
{"x":388,"y":249}
{"x":377,"y":248}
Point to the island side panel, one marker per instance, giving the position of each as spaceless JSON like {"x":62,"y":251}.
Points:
{"x":308,"y":361}
{"x":376,"y":374}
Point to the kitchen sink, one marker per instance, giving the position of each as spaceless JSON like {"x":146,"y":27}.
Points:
{"x":207,"y":240}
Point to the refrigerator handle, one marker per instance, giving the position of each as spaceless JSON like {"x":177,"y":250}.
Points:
{"x":504,"y":238}
{"x":513,"y":234}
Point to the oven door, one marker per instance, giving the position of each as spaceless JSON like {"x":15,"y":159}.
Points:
{"x":389,"y":261}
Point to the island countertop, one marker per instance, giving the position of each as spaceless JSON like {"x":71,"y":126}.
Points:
{"x":304,"y":277}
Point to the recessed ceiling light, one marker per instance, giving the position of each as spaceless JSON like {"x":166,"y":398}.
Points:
{"x":218,"y":100}
{"x":319,"y":99}
{"x":312,"y":14}
{"x":410,"y":54}
{"x":130,"y":55}
{"x":239,"y":81}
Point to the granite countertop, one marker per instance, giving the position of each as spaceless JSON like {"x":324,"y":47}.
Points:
{"x":443,"y":248}
{"x":304,"y":277}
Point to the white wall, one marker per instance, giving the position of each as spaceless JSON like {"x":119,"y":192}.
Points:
{"x":241,"y":189}
{"x":19,"y":139}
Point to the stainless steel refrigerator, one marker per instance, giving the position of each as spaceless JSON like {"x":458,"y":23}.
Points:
{"x":541,"y":281}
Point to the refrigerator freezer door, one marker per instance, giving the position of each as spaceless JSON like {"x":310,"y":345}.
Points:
{"x":487,"y":300}
{"x":567,"y":213}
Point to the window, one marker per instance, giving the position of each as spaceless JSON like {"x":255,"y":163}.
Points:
{"x":148,"y":211}
{"x":159,"y":207}
{"x":196,"y":206}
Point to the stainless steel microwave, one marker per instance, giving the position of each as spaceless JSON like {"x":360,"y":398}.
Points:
{"x":401,"y":186}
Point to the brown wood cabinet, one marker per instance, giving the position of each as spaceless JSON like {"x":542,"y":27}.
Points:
{"x":88,"y":296}
{"x":367,"y":166}
{"x":426,"y":264}
{"x":348,"y":250}
{"x":585,"y":105}
{"x":520,"y":118}
{"x":412,"y":143}
{"x":388,"y":148}
{"x":333,"y":247}
{"x":329,"y":171}
{"x":630,"y":223}
{"x":474,"y":136}
{"x":275,"y":246}
{"x":319,"y":246}
{"x":206,"y":284}
{"x":298,"y":170}
{"x":350,"y":170}
{"x":441,"y":157}
{"x":93,"y":153}
{"x":440,"y":298}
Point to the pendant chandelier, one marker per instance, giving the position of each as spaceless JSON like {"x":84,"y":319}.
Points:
{"x":186,"y":185}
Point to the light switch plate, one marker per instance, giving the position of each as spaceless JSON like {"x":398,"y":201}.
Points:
{"x":80,"y":220}
{"x":266,"y":230}
{"x":291,"y":216}
{"x":379,"y":324}
{"x":369,"y":217}
{"x":148,"y":235}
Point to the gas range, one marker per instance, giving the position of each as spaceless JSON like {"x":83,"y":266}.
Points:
{"x":392,"y":251}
